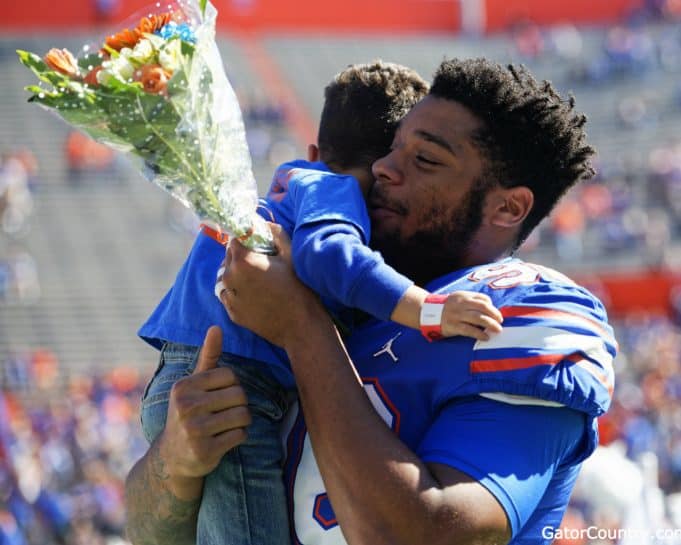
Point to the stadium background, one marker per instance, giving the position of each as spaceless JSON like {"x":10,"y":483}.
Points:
{"x":87,"y":247}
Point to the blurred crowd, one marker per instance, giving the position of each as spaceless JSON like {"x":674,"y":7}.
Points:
{"x":18,"y":180}
{"x":627,"y":46}
{"x":634,"y":480}
{"x":620,"y":212}
{"x":634,"y":204}
{"x":88,"y":161}
{"x":65,"y":448}
{"x":266,"y":121}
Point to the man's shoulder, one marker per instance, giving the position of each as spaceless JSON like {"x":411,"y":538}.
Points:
{"x":514,"y":282}
{"x":556,"y":343}
{"x":527,"y":293}
{"x":510,"y":274}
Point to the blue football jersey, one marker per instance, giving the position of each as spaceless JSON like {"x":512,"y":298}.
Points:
{"x":516,"y":412}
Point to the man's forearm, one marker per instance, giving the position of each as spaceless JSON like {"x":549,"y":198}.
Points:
{"x":160,"y":508}
{"x":378,"y":487}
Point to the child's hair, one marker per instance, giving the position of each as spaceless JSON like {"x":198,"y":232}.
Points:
{"x":363,"y":106}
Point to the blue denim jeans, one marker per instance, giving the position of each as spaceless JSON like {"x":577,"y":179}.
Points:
{"x":244,"y":501}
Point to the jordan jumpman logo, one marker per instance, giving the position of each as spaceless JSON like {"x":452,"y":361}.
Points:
{"x":387,"y":348}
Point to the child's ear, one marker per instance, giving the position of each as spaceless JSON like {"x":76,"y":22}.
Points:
{"x":510,"y":206}
{"x":312,"y":153}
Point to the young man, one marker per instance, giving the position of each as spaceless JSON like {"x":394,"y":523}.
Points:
{"x":322,"y":207}
{"x":457,"y":441}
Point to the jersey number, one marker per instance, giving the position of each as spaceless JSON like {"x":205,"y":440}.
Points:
{"x":314,"y":519}
{"x":506,"y":275}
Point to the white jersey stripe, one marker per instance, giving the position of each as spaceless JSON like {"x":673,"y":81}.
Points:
{"x":548,"y":339}
{"x":541,"y":313}
{"x":513,"y":399}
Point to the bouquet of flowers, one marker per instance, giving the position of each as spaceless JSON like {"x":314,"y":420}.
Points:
{"x":159,"y":92}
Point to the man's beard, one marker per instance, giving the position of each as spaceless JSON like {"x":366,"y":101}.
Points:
{"x":441,"y":244}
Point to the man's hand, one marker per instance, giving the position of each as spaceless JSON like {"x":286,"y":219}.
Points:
{"x":207,"y":415}
{"x":262,"y":293}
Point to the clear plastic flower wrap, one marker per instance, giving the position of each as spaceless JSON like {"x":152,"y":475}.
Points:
{"x":159,"y":92}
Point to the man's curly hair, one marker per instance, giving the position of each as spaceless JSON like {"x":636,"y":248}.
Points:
{"x":363,"y":106}
{"x":530,"y":135}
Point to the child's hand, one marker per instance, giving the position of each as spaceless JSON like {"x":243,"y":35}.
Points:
{"x":470,"y":314}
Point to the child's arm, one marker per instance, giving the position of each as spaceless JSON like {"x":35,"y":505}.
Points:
{"x":358,"y":277}
{"x":330,"y":255}
{"x":333,"y":260}
{"x":466,"y":313}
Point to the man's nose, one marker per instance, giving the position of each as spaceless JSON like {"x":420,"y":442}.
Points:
{"x":386,"y":169}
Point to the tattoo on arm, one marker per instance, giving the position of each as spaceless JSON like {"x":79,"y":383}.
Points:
{"x":155,"y":514}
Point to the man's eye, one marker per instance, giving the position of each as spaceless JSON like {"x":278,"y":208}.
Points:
{"x":422,"y":159}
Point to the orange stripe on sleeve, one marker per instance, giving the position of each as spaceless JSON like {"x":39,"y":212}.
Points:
{"x":512,"y":364}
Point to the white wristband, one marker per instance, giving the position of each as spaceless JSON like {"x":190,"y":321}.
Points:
{"x":431,"y":316}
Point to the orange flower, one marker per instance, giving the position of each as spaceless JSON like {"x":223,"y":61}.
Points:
{"x":153,"y":22}
{"x":128,"y":38}
{"x":154,"y":78}
{"x":91,"y":77}
{"x":62,"y":61}
{"x":125,"y":38}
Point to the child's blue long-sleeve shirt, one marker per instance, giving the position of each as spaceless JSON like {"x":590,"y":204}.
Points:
{"x":326,"y":217}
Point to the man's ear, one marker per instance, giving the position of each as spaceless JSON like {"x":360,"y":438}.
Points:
{"x":312,"y":153}
{"x":510,"y":206}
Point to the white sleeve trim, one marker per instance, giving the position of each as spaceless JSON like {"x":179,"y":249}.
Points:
{"x":513,"y":399}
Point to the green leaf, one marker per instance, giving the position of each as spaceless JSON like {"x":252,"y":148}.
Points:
{"x":79,"y":88}
{"x":70,"y":90}
{"x":177,"y":84}
{"x":35,"y":89}
{"x":88,"y":62}
{"x":133,"y":88}
{"x":187,"y":49}
{"x":202,"y":5}
{"x":44,"y":72}
{"x":142,"y":117}
{"x":31,"y":60}
{"x":79,"y":110}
